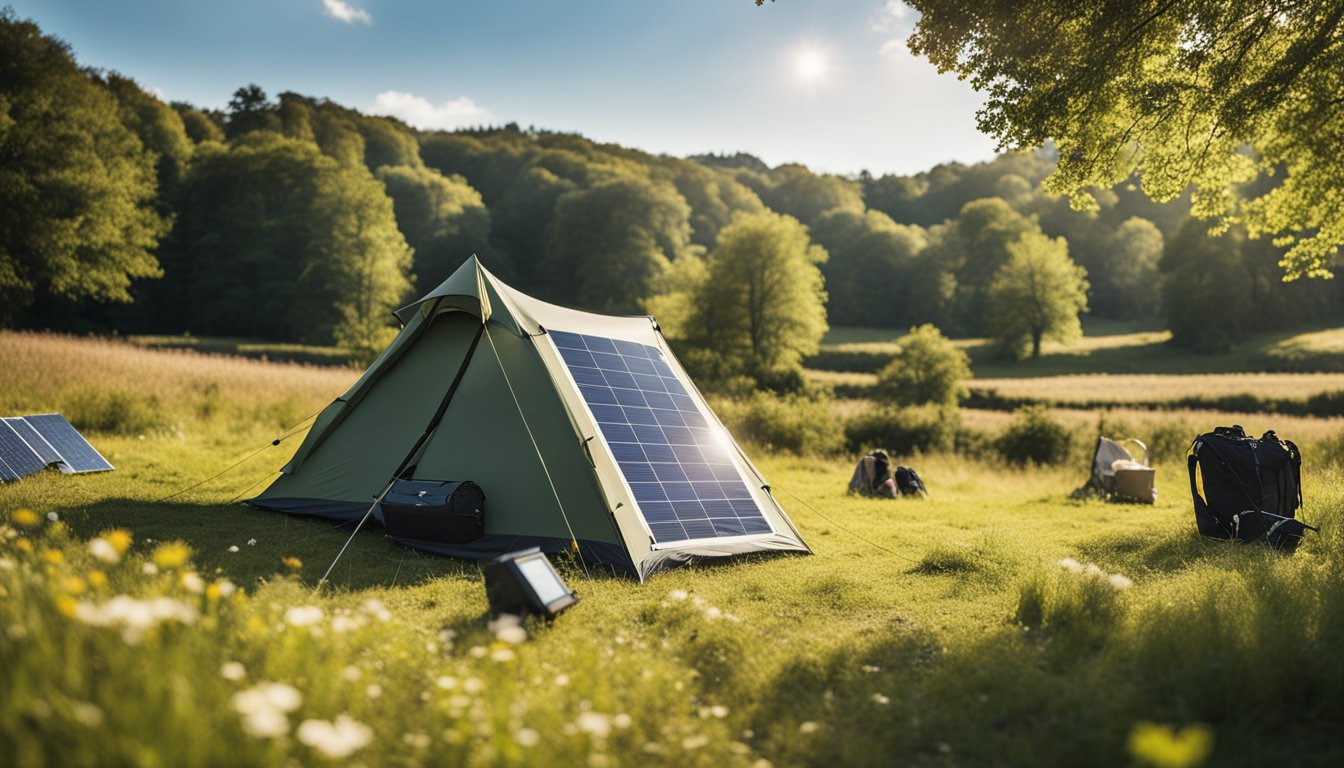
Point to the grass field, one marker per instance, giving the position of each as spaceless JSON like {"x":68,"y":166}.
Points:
{"x":998,"y":623}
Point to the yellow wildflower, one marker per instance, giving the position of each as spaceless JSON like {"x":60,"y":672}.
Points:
{"x":66,"y":605}
{"x":25,"y":517}
{"x":97,"y":579}
{"x":1161,"y":746}
{"x":173,"y":554}
{"x":24,"y":545}
{"x":119,"y":538}
{"x":212,"y":591}
{"x":292,"y":563}
{"x":76,"y":586}
{"x":53,"y":556}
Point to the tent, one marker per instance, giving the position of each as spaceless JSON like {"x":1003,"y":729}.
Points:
{"x":582,"y":430}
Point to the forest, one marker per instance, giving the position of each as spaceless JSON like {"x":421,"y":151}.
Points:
{"x":293,"y":218}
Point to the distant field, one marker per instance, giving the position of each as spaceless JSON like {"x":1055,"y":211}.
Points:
{"x":262,"y":350}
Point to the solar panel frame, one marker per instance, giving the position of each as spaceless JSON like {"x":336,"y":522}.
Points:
{"x":6,"y":473}
{"x":76,"y":452}
{"x":18,"y":456}
{"x":681,"y":477}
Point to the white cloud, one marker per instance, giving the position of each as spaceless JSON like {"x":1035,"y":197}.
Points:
{"x":346,"y":13}
{"x":417,"y":111}
{"x":895,"y":15}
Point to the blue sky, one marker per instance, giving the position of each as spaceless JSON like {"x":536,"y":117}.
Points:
{"x":828,"y":83}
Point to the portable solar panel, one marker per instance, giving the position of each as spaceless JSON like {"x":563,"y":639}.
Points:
{"x":7,"y":474}
{"x":20,"y":457}
{"x":75,"y":451}
{"x":675,"y":459}
{"x":35,"y":441}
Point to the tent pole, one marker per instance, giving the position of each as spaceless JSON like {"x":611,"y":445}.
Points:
{"x":376,"y":501}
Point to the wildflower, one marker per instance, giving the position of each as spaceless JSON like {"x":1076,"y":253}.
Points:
{"x":808,"y":726}
{"x":514,"y":635}
{"x":24,"y":545}
{"x":266,"y":724}
{"x":881,"y":699}
{"x":232,"y":670}
{"x":6,"y":564}
{"x":694,"y":742}
{"x":149,"y":569}
{"x":373,"y":691}
{"x":97,"y":579}
{"x":869,"y":668}
{"x":446,"y":682}
{"x":375,"y":608}
{"x":562,"y":680}
{"x":342,"y":624}
{"x":221,"y":588}
{"x":25,"y":517}
{"x":678,"y":594}
{"x":251,"y":542}
{"x":1120,"y":582}
{"x":526,"y":737}
{"x":119,"y":538}
{"x":1163,"y":747}
{"x":719,"y":711}
{"x":276,"y":696}
{"x":53,"y":556}
{"x":351,"y":673}
{"x":303,"y":615}
{"x":103,"y":550}
{"x":473,"y":685}
{"x":233,"y":548}
{"x":416,"y":740}
{"x":52,"y":517}
{"x":1069,"y":564}
{"x":501,"y":653}
{"x":75,"y":585}
{"x":67,"y":606}
{"x":172,"y":554}
{"x":292,"y":563}
{"x":595,"y":724}
{"x":336,"y":739}
{"x":622,"y":720}
{"x":193,"y":583}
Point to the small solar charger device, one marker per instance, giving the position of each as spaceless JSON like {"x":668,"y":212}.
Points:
{"x":525,"y":582}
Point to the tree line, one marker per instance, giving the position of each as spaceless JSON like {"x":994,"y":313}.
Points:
{"x":298,"y":219}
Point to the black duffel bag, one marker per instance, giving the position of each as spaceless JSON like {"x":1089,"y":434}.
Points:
{"x":1247,"y":488}
{"x":443,"y":511}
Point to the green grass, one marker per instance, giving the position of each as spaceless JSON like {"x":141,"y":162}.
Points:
{"x":940,"y":632}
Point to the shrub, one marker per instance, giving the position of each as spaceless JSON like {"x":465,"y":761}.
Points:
{"x":114,"y":411}
{"x":928,"y":369}
{"x":1034,"y":438}
{"x":904,"y":430}
{"x":794,"y":423}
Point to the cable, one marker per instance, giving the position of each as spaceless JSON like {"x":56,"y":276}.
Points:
{"x":294,"y":430}
{"x":843,"y":528}
{"x":540,"y":458}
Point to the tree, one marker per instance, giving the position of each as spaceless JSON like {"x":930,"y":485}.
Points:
{"x":794,"y":190}
{"x":1126,"y":283}
{"x":1176,"y":90}
{"x":77,"y":214}
{"x":927,"y":369}
{"x":869,"y":273}
{"x":1037,"y":294}
{"x":443,"y":219}
{"x":761,"y":306}
{"x":249,"y":110}
{"x":610,"y":244}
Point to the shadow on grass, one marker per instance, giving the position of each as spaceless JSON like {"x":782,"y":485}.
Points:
{"x":264,"y":540}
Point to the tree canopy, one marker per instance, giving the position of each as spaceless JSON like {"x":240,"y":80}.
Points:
{"x":1182,"y":92}
{"x":1037,"y":294}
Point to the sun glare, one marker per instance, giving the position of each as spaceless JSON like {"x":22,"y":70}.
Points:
{"x":810,"y":65}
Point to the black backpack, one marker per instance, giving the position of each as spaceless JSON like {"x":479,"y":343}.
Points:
{"x":908,"y":482}
{"x":1247,"y":489}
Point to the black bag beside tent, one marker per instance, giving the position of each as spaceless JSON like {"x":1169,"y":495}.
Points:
{"x":1246,"y":488}
{"x":446,"y":512}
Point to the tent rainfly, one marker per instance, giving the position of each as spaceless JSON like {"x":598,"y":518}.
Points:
{"x":581,"y":429}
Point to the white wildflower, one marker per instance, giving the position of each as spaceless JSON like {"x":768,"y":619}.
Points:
{"x":880,"y":699}
{"x":263,"y":696}
{"x":192,"y":582}
{"x":595,"y":724}
{"x":446,"y":682}
{"x":342,"y":624}
{"x":149,"y":569}
{"x":226,"y":587}
{"x":808,"y":726}
{"x":514,"y":635}
{"x":526,"y":737}
{"x":233,"y":548}
{"x":373,"y":691}
{"x":562,"y":680}
{"x":103,"y":551}
{"x":678,"y":594}
{"x":375,"y":608}
{"x":251,"y":542}
{"x":622,"y":720}
{"x":53,"y":517}
{"x":266,"y":724}
{"x":694,"y":742}
{"x":416,"y":740}
{"x":303,"y":615}
{"x":1120,"y":582}
{"x":351,"y":673}
{"x":473,"y":685}
{"x":502,"y":654}
{"x":719,"y":711}
{"x":1069,"y":564}
{"x":336,"y":739}
{"x":233,"y":670}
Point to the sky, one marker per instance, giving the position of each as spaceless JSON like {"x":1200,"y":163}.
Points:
{"x":826,"y":83}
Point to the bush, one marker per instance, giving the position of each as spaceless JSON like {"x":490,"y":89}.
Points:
{"x":928,"y":369}
{"x":904,"y":430}
{"x":795,"y":423}
{"x":114,"y":411}
{"x":1034,"y":438}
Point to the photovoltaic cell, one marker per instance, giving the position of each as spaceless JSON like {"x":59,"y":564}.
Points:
{"x":679,"y":470}
{"x":17,"y":455}
{"x":75,"y":451}
{"x":35,"y":441}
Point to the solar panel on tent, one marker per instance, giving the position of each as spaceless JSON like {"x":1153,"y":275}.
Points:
{"x":20,"y":459}
{"x":676,"y":460}
{"x":75,"y":451}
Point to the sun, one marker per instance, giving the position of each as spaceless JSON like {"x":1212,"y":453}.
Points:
{"x":810,"y":64}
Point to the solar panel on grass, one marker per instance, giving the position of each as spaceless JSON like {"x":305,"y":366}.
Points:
{"x":21,"y":459}
{"x":75,"y":451}
{"x":35,"y":441}
{"x":672,"y":455}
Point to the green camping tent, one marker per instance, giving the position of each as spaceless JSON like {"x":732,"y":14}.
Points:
{"x":580,"y":428}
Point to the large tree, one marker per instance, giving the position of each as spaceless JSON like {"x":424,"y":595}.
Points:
{"x":443,"y":219}
{"x":1210,"y":93}
{"x":761,"y":307}
{"x":77,"y":214}
{"x":1037,"y":294}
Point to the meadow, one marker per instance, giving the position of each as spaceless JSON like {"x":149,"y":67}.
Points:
{"x":147,"y":618}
